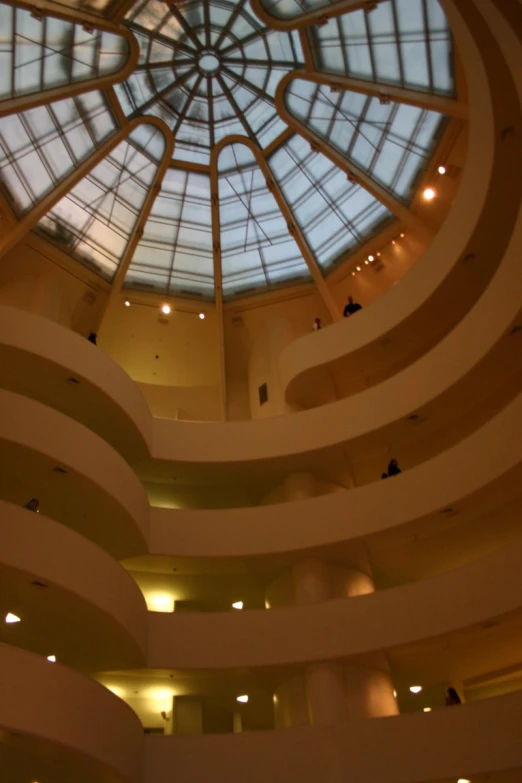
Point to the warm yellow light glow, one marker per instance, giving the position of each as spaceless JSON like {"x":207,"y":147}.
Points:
{"x":395,"y":694}
{"x":202,"y":316}
{"x":402,"y":236}
{"x":237,"y":605}
{"x":12,"y":618}
{"x":114,"y":689}
{"x":274,"y":698}
{"x":127,"y":303}
{"x":370,"y":258}
{"x":463,"y":780}
{"x":267,"y":604}
{"x":358,"y":268}
{"x":165,"y":309}
{"x":353,"y":274}
{"x":51,"y":658}
{"x":243,"y":699}
{"x":415,"y":688}
{"x":429,"y":194}
{"x":426,"y":709}
{"x":378,"y":254}
{"x":159,"y":602}
{"x":393,"y":241}
{"x":366,"y":261}
{"x":442,"y":169}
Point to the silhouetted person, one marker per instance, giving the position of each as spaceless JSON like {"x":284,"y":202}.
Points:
{"x":393,"y":468}
{"x":452,"y":697}
{"x":92,"y":338}
{"x":351,"y":307}
{"x":317,"y":325}
{"x":33,"y":504}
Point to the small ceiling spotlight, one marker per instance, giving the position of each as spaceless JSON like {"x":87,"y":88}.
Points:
{"x":358,"y":268}
{"x":237,"y":605}
{"x":51,"y":658}
{"x":402,"y":236}
{"x":366,"y":261}
{"x":442,"y":169}
{"x":242,"y":699}
{"x":426,"y":709}
{"x":371,"y":258}
{"x":353,"y":274}
{"x":165,"y":309}
{"x":12,"y":618}
{"x":127,"y":303}
{"x":202,"y":316}
{"x":463,"y":780}
{"x":415,"y":688}
{"x":393,"y":241}
{"x":428,"y":194}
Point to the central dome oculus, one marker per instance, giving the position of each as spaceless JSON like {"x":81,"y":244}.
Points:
{"x":209,"y":70}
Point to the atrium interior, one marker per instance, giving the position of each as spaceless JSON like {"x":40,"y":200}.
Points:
{"x":257,"y":256}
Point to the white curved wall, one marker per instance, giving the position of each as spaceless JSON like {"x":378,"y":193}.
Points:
{"x":445,"y":744}
{"x":26,"y":425}
{"x":341,"y":627}
{"x":80,"y":571}
{"x":56,"y":704}
{"x":458,"y":473}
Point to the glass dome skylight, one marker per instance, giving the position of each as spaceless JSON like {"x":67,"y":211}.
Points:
{"x":261,"y":141}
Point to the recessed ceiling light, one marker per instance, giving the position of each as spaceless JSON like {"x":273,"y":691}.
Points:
{"x":378,"y":254}
{"x":165,"y":309}
{"x":442,"y":169}
{"x":393,"y":241}
{"x":395,"y":694}
{"x":353,"y":274}
{"x":415,"y":688}
{"x":51,"y":658}
{"x":370,"y":258}
{"x":463,"y":780}
{"x":12,"y":618}
{"x":366,"y":261}
{"x":237,"y":605}
{"x":426,"y":709}
{"x":243,"y":699}
{"x":127,"y":303}
{"x":429,"y":194}
{"x":202,"y":316}
{"x":402,"y":236}
{"x":358,"y":268}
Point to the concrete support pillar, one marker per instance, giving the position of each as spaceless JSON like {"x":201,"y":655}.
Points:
{"x":299,"y":486}
{"x":290,"y":704}
{"x":369,"y":692}
{"x":325,"y":693}
{"x":311,"y":580}
{"x":237,"y":723}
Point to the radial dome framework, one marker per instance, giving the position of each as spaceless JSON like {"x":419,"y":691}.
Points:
{"x":214,"y":148}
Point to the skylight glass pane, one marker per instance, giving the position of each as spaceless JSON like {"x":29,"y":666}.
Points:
{"x":175,"y":253}
{"x":204,"y":97}
{"x":95,"y":221}
{"x":402,"y":42}
{"x":41,"y":54}
{"x":335,"y":215}
{"x":257,"y":250}
{"x":39,"y":147}
{"x":293,"y":9}
{"x":384,"y":140}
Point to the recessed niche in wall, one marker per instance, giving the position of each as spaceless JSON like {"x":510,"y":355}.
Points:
{"x":263,"y":393}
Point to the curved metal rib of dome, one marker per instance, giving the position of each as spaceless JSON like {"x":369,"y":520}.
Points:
{"x":210,"y":74}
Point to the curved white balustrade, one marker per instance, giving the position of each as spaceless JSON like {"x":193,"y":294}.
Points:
{"x":449,"y":744}
{"x":79,"y":479}
{"x":467,"y":471}
{"x":84,"y":608}
{"x":55,"y":705}
{"x":42,"y":359}
{"x":337,"y":628}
